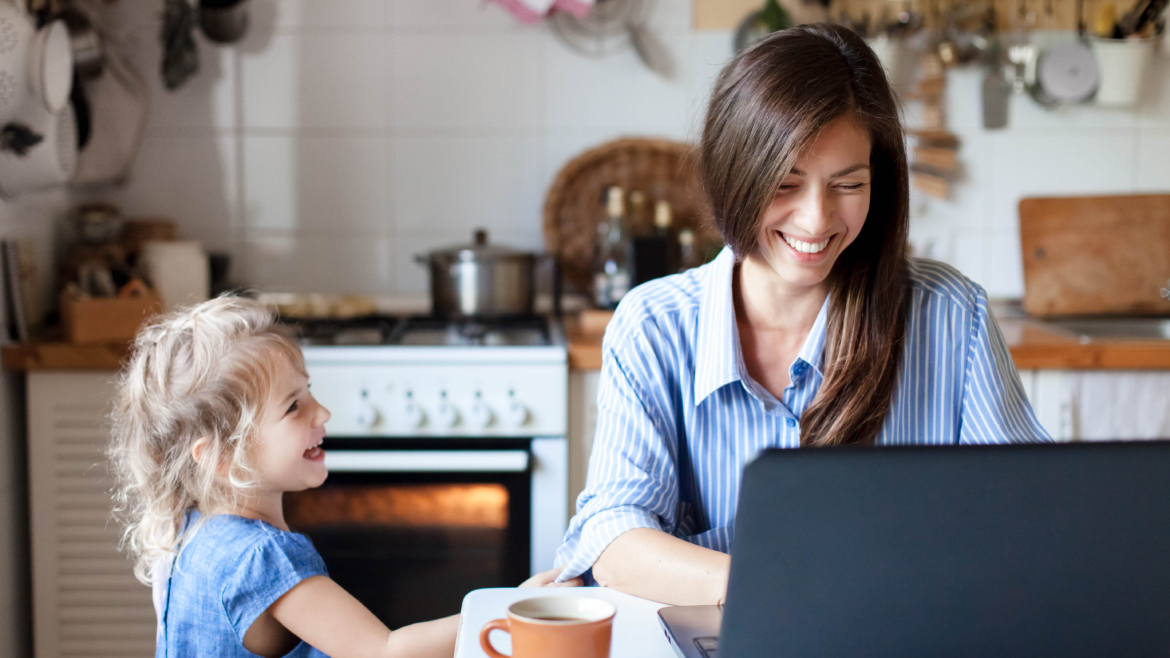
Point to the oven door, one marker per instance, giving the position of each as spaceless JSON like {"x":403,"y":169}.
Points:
{"x":410,"y":526}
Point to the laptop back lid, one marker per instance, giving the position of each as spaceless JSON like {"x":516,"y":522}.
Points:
{"x":952,"y":551}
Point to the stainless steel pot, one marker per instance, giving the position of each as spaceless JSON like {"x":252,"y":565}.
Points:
{"x":481,"y":280}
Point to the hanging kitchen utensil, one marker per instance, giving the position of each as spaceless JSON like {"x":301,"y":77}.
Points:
{"x":611,"y":27}
{"x":117,"y":103}
{"x":36,"y":66}
{"x":39,"y":134}
{"x":1067,"y":74}
{"x":50,"y":162}
{"x":223,"y":21}
{"x":180,"y":55}
{"x":84,"y":42}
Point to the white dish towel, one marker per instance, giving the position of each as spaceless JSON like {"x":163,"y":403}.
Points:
{"x":1128,"y":404}
{"x":531,"y":11}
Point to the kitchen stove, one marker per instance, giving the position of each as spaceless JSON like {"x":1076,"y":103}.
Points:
{"x":447,"y":455}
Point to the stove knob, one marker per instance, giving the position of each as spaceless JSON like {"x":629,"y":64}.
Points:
{"x":365,"y":415}
{"x":515,"y":414}
{"x":446,"y":416}
{"x":479,"y":415}
{"x":412,"y":414}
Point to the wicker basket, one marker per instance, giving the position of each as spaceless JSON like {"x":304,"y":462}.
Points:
{"x":659,"y":168}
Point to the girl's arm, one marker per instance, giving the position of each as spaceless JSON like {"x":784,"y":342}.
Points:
{"x":654,"y":565}
{"x":320,"y":612}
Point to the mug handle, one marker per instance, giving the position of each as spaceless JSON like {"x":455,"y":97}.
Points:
{"x":486,"y":643}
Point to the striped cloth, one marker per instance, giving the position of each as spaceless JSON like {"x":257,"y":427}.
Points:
{"x":678,"y":416}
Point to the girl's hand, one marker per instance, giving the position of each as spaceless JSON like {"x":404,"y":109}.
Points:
{"x":546,"y":578}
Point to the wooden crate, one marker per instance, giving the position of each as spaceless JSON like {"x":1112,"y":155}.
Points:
{"x":104,"y":320}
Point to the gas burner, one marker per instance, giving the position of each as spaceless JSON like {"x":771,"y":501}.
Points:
{"x":367,"y":330}
{"x":427,"y":331}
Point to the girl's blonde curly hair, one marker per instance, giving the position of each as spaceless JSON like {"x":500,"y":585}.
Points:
{"x":200,"y":371}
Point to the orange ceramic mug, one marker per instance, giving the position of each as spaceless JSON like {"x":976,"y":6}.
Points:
{"x":561,"y":626}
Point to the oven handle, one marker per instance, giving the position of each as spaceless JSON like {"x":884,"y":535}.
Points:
{"x":427,"y":461}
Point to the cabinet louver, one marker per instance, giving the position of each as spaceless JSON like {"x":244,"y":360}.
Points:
{"x":86,"y":601}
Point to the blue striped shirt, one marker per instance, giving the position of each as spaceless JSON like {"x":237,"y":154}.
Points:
{"x":678,"y":416}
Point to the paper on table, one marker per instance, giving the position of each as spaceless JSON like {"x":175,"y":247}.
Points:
{"x":636,"y":631}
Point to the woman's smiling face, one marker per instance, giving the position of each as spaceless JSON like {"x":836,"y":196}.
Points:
{"x":820,"y":206}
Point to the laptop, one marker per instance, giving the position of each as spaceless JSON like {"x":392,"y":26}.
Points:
{"x":1019,"y":550}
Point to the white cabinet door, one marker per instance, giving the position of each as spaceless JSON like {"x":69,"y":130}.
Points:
{"x":582,"y":424}
{"x":1097,"y":405}
{"x":86,"y":601}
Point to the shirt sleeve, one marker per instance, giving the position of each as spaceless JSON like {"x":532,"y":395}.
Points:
{"x":995,"y":408}
{"x":263,"y":574}
{"x":633,"y":479}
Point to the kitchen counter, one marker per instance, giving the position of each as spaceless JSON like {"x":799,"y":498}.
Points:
{"x":1034,"y":344}
{"x":63,"y":356}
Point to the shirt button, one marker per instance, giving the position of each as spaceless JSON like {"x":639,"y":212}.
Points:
{"x":792,"y":422}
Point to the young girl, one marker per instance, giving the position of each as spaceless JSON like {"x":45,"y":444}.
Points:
{"x":213,"y":422}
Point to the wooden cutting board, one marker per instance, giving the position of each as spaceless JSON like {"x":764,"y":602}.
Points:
{"x":1096,"y":255}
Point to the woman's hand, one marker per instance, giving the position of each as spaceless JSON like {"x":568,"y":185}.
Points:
{"x":548,"y":578}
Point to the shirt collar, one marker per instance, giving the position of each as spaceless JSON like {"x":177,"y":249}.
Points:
{"x":718,"y":358}
{"x":717,"y":355}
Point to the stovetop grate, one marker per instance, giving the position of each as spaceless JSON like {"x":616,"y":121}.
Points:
{"x":423,"y":331}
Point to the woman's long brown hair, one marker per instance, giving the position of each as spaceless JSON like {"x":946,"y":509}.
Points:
{"x":769,"y":104}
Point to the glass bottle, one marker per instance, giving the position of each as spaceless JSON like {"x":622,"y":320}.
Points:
{"x":663,"y":216}
{"x":688,"y":257}
{"x":635,"y":223}
{"x":611,"y":274}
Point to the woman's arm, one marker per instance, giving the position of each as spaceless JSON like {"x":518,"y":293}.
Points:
{"x":656,"y":566}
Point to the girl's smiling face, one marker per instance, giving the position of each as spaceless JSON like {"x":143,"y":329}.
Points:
{"x":287,"y":455}
{"x":820,"y":206}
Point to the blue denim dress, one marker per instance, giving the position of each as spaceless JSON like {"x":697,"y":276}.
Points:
{"x":228,"y":573}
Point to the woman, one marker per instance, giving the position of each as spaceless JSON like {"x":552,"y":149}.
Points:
{"x":811,"y":329}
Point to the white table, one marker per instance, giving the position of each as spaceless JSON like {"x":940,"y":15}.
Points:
{"x":636,"y":631}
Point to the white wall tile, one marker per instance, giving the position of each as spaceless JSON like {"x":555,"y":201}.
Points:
{"x":487,"y":82}
{"x":963,"y":101}
{"x":206,"y":100}
{"x":1154,"y":109}
{"x":305,"y":263}
{"x":475,"y":113}
{"x":933,"y":239}
{"x":188,"y":177}
{"x":326,"y":184}
{"x":562,"y":146}
{"x":1025,"y":114}
{"x":454,"y":183}
{"x":674,"y":15}
{"x":314,"y":80}
{"x":317,"y":14}
{"x":419,"y":16}
{"x":1057,"y":162}
{"x":706,"y":55}
{"x":971,"y":254}
{"x":968,"y":202}
{"x":1005,"y":265}
{"x":1153,"y":145}
{"x":618,"y":92}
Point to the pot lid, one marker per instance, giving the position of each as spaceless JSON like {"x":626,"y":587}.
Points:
{"x":480,"y":249}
